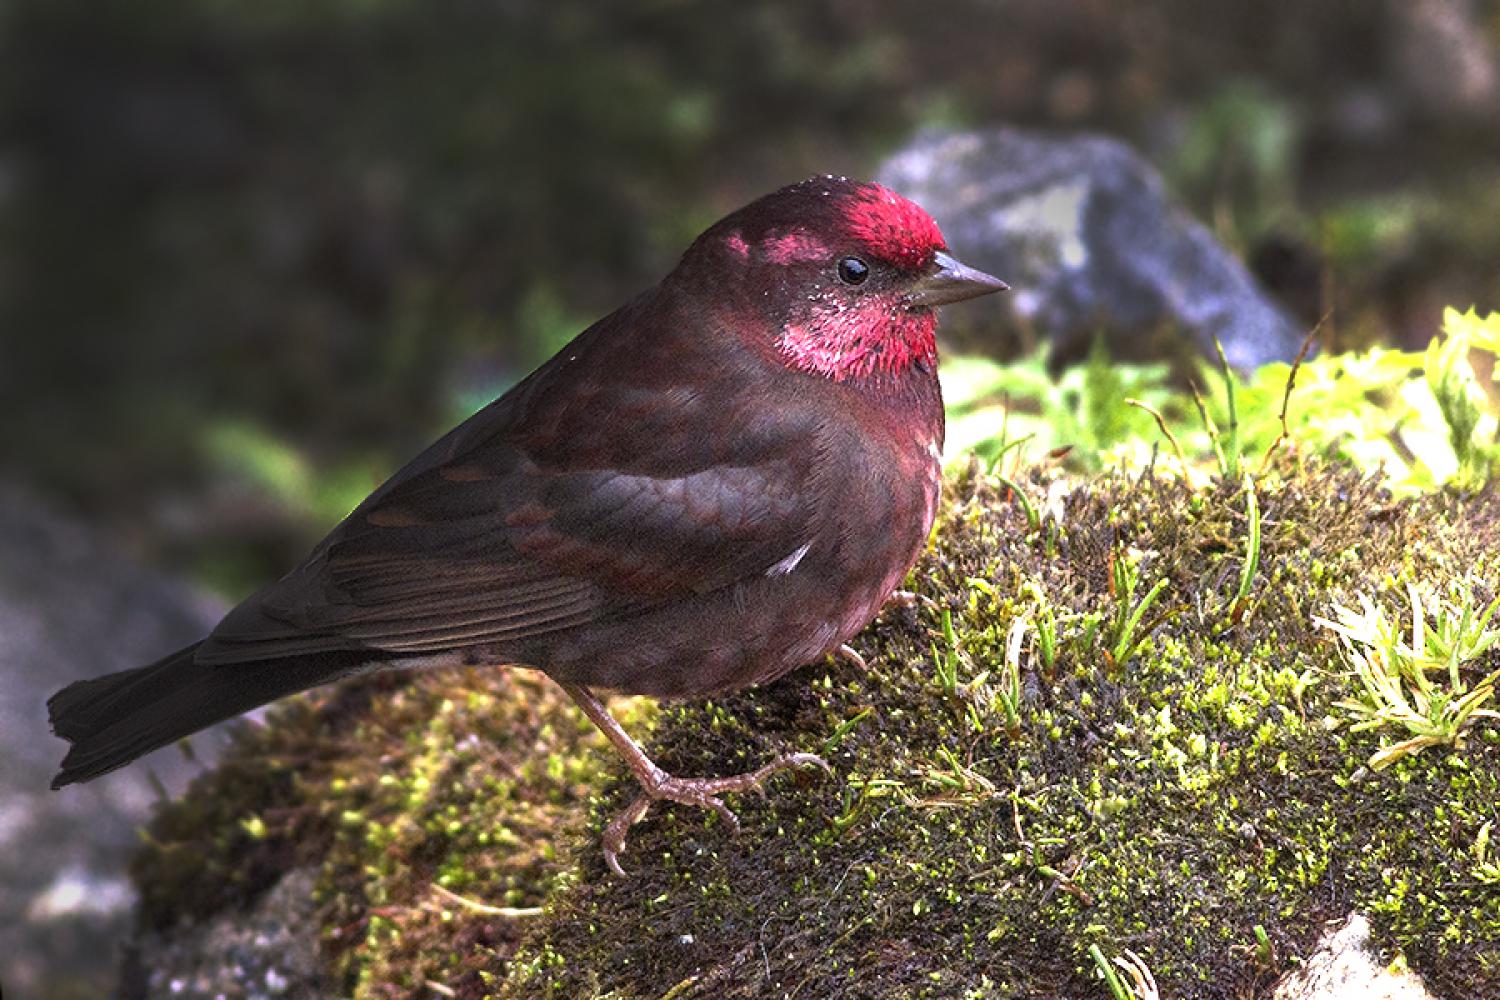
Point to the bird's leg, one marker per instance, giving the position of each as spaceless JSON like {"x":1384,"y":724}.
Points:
{"x":658,"y":784}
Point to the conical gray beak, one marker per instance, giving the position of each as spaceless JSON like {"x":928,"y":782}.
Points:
{"x":948,"y":280}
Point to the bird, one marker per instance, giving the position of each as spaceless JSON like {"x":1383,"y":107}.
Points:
{"x":724,"y":479}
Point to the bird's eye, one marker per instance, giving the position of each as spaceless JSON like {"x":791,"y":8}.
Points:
{"x":853,"y":271}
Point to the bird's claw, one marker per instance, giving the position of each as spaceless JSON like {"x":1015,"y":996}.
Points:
{"x":910,"y":598}
{"x":851,"y":656}
{"x":619,"y":829}
{"x":702,"y":793}
{"x":798,"y":760}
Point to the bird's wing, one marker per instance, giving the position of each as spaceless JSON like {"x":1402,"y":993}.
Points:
{"x":534,"y":518}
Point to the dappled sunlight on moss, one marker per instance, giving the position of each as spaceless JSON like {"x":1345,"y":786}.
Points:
{"x":433,"y":806}
{"x":982,"y":830}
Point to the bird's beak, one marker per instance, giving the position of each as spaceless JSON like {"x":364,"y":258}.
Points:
{"x":948,"y":280}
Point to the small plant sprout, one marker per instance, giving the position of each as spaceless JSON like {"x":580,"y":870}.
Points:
{"x":1008,"y":695}
{"x":1230,"y":462}
{"x":1046,"y":639}
{"x":1033,"y":519}
{"x":843,"y":729}
{"x":1088,"y":631}
{"x":1265,"y":951}
{"x":1486,"y":868}
{"x":1226,"y":445}
{"x":1006,"y":447}
{"x":1142,"y":984}
{"x":1161,"y":422}
{"x":945,"y":660}
{"x":1417,"y":682}
{"x":955,"y":782}
{"x":858,"y":794}
{"x":1241,"y":602}
{"x":1124,"y":634}
{"x":1052,"y":630}
{"x":980,"y":699}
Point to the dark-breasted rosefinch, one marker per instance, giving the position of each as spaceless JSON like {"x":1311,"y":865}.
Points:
{"x":721,"y":480}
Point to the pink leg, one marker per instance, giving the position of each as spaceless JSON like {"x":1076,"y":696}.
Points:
{"x":658,"y":784}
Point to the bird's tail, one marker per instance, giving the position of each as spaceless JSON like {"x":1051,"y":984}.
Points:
{"x":114,"y":719}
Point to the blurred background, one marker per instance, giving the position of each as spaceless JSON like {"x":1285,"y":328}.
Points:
{"x":254,"y":253}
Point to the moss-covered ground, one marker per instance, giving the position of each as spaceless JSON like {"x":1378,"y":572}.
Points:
{"x":1166,"y":791}
{"x":434,"y":805}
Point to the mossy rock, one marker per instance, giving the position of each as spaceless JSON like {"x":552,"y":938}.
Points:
{"x":1168,"y":796}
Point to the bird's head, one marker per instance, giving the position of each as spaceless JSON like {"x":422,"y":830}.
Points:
{"x":847,"y":276}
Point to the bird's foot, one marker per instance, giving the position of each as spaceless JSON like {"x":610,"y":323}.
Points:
{"x":704,"y":793}
{"x":658,"y":784}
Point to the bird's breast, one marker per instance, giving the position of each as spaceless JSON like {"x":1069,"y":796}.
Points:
{"x":870,"y":493}
{"x":876,"y":530}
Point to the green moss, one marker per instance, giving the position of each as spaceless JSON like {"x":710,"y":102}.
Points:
{"x":393,"y":786}
{"x":1167,"y":804}
{"x":980,"y":835}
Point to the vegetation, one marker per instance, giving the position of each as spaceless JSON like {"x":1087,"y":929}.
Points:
{"x":1205,"y":803}
{"x":1447,"y":639}
{"x":1422,"y":418}
{"x":1139,"y":744}
{"x":1200,"y":671}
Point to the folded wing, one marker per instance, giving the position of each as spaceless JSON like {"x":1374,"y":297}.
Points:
{"x":515,"y":526}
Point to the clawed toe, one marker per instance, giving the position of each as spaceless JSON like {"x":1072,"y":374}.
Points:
{"x":619,"y":829}
{"x":658,"y":784}
{"x":726,"y":814}
{"x":909,"y":598}
{"x":702,"y":793}
{"x":851,"y":656}
{"x":804,"y":760}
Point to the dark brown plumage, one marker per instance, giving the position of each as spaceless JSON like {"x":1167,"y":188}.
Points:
{"x":720,"y":481}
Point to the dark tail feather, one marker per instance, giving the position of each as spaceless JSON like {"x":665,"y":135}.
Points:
{"x":114,"y":719}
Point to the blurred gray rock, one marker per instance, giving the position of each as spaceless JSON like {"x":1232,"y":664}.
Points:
{"x":1444,"y":61}
{"x":1081,"y":228}
{"x":268,"y":951}
{"x":73,"y":607}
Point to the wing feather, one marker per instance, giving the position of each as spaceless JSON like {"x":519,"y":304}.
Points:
{"x":538,"y":515}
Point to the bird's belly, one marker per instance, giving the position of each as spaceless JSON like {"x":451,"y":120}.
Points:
{"x":760,"y":628}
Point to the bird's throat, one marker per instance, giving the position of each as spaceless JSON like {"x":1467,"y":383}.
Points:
{"x":857,"y":343}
